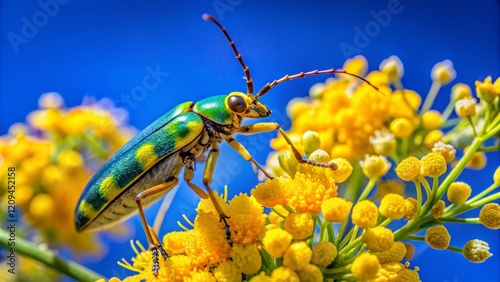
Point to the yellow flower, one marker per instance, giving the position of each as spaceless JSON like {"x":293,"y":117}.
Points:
{"x":42,"y":207}
{"x":410,"y":250}
{"x":390,"y":186}
{"x":383,"y":142}
{"x":324,"y":253}
{"x":297,"y":256}
{"x":485,"y":90}
{"x":207,"y":243}
{"x":395,"y":254}
{"x":393,"y":206}
{"x":310,"y":273}
{"x":246,"y":219}
{"x":375,"y":166}
{"x":271,"y":192}
{"x":365,"y":214}
{"x":458,"y":192}
{"x":70,"y":160}
{"x":173,"y":242}
{"x":276,"y":242}
{"x":447,"y":151}
{"x":284,"y":274}
{"x":275,"y":218}
{"x":336,"y":209}
{"x":50,"y":100}
{"x":227,"y":271}
{"x":310,"y":187}
{"x":437,"y":210}
{"x":443,"y":72}
{"x":460,"y":90}
{"x":343,"y":171}
{"x":378,"y":239}
{"x":365,"y":267}
{"x":402,"y":127}
{"x":496,"y":176}
{"x":319,"y":156}
{"x":411,"y":208}
{"x":433,"y":137}
{"x":404,"y":104}
{"x":200,"y":276}
{"x":432,"y":120}
{"x":478,"y":160}
{"x":393,"y":67}
{"x":476,"y":251}
{"x":433,"y":165}
{"x":466,"y":107}
{"x":408,"y":169}
{"x":299,"y":225}
{"x":395,"y":271}
{"x":261,"y":278}
{"x":489,"y":216}
{"x":247,"y":258}
{"x":437,"y":237}
{"x":310,"y":142}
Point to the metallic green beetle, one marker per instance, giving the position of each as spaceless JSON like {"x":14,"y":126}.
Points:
{"x":147,"y":167}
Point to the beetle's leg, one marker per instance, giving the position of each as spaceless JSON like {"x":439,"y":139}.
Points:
{"x":270,"y":126}
{"x":188,"y":177}
{"x":154,"y":246}
{"x":207,"y":180}
{"x":245,"y":154}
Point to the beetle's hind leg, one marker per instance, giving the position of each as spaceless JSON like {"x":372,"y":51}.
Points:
{"x":153,"y":240}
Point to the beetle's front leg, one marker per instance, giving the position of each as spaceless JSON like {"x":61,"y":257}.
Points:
{"x":153,"y":241}
{"x":270,"y":126}
{"x":245,"y":154}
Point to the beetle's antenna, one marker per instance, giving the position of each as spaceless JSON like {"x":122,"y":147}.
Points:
{"x":248,"y":78}
{"x":287,"y":77}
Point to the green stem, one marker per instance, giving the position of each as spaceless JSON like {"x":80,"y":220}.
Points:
{"x":419,"y":198}
{"x":476,"y":143}
{"x":472,"y":125}
{"x":367,"y":189}
{"x":459,"y":220}
{"x":487,"y":118}
{"x":429,"y":99}
{"x":483,"y":193}
{"x":49,"y":258}
{"x":455,"y":249}
{"x":449,"y":109}
{"x":340,"y":232}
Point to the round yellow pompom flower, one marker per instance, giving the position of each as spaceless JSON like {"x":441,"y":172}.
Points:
{"x":432,"y":120}
{"x":310,"y":273}
{"x":336,"y":209}
{"x":324,"y":253}
{"x":276,"y":241}
{"x":437,"y":237}
{"x":365,"y":267}
{"x":393,"y":206}
{"x":402,"y":127}
{"x":284,"y":274}
{"x":343,"y":171}
{"x":408,"y":169}
{"x":375,"y":166}
{"x":365,"y":214}
{"x":458,"y":192}
{"x":299,"y":225}
{"x":395,"y":254}
{"x":378,"y":239}
{"x":247,"y":258}
{"x":433,"y":165}
{"x":489,"y":216}
{"x":297,"y":256}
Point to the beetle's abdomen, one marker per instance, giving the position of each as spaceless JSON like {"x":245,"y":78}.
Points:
{"x":121,"y":179}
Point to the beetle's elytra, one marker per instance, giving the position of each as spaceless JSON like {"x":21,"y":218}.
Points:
{"x":147,"y":167}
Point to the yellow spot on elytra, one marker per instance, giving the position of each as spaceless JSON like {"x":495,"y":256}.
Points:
{"x":108,"y":188}
{"x":86,"y":209}
{"x":146,"y":155}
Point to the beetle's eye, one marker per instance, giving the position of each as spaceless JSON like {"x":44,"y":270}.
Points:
{"x":237,"y":104}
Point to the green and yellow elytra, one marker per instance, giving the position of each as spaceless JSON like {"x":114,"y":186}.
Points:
{"x":147,"y":167}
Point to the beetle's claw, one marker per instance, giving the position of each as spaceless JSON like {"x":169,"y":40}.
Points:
{"x":163,"y":252}
{"x":156,"y":262}
{"x":223,"y":217}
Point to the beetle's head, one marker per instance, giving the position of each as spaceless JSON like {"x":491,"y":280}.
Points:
{"x":245,"y":105}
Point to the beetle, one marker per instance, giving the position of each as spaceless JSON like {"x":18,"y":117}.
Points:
{"x":147,"y":166}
